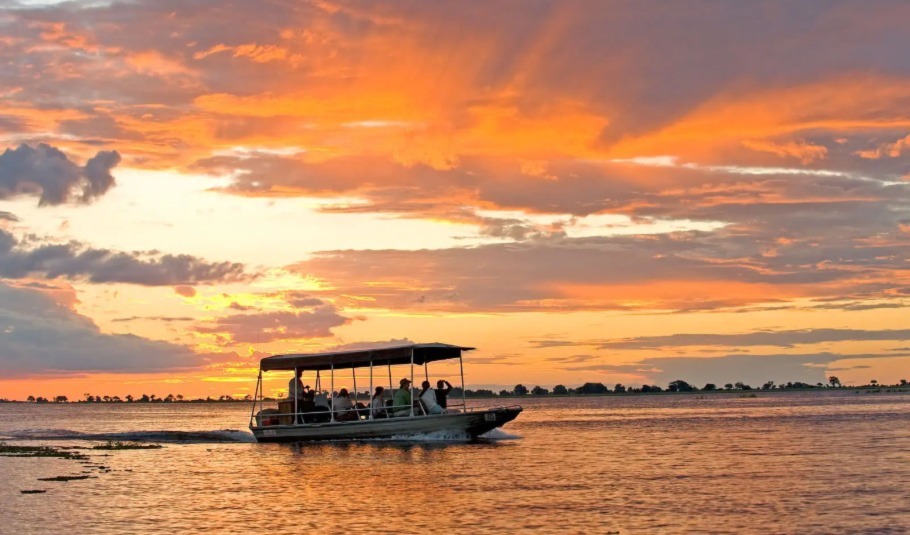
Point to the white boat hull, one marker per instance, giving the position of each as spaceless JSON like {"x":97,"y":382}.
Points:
{"x":469,"y":424}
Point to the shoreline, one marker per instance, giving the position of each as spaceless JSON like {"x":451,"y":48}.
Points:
{"x":750,"y":393}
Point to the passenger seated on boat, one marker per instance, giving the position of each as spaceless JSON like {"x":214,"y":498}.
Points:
{"x":320,"y":408}
{"x":401,"y":401}
{"x":443,"y":388}
{"x":344,"y":409}
{"x":377,"y":405}
{"x":428,"y":397}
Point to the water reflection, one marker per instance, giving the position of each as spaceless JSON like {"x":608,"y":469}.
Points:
{"x":779,"y":464}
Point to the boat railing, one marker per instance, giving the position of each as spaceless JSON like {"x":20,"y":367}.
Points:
{"x":324,"y":414}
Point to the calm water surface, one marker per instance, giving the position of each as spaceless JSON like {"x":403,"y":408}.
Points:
{"x":832,"y":462}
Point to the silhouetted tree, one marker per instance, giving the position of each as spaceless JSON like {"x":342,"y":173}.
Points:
{"x":619,"y":389}
{"x":520,"y":390}
{"x":179,"y":397}
{"x":768,"y":386}
{"x":31,"y":399}
{"x":710,"y":386}
{"x":560,"y":390}
{"x":903,"y":382}
{"x":129,"y":398}
{"x":60,"y":399}
{"x":144,"y":398}
{"x":539,"y":391}
{"x":592,"y":388}
{"x":873,"y":382}
{"x":835,"y":382}
{"x":505,"y":393}
{"x":728,"y":386}
{"x":740,"y":385}
{"x":679,"y":386}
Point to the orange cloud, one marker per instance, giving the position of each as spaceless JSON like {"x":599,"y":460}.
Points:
{"x":891,"y":150}
{"x":850,"y":104}
{"x":804,"y":152}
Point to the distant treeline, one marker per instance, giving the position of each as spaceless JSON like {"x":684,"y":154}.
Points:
{"x":674,"y":386}
{"x":144,"y":398}
{"x":520,"y":390}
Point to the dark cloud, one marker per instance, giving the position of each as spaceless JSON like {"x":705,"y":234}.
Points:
{"x":270,"y":326}
{"x":38,"y":335}
{"x":787,"y":338}
{"x":46,"y":171}
{"x":75,"y":261}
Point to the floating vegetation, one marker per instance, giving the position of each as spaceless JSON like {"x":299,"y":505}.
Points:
{"x":32,"y":491}
{"x":111,"y":445}
{"x":37,"y":451}
{"x":63,"y":478}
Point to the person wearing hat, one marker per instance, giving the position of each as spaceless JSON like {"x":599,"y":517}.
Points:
{"x":401,"y":401}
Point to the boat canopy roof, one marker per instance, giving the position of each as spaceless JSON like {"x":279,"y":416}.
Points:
{"x":361,"y":358}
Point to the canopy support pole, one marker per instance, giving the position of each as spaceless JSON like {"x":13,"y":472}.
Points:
{"x":255,"y":395}
{"x":464,"y":403}
{"x":354,"y":375}
{"x":370,"y":413}
{"x":296,"y":394}
{"x":411,"y":386}
{"x":332,"y":384}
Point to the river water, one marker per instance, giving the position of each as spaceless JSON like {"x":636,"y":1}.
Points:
{"x":821,"y":462}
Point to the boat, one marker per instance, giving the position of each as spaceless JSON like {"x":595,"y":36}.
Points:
{"x":296,"y":420}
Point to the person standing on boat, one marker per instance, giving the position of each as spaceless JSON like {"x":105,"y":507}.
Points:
{"x":401,"y":401}
{"x":295,"y":387}
{"x":442,"y":391}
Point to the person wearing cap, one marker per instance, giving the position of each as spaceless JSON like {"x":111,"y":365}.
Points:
{"x":401,"y":401}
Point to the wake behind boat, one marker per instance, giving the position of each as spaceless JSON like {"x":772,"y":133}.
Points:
{"x":311,"y":416}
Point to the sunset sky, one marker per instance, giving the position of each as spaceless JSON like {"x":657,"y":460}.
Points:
{"x":618,"y":192}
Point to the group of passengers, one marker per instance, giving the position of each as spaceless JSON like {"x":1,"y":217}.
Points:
{"x":430,"y":401}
